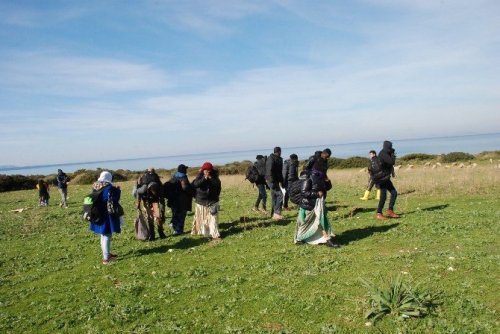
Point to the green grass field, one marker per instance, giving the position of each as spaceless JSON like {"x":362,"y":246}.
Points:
{"x":256,"y":280}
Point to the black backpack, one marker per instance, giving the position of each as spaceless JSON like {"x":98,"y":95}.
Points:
{"x":377,"y":173}
{"x":252,"y":174}
{"x":295,"y":189}
{"x":91,"y":210}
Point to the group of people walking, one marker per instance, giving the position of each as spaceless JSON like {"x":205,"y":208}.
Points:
{"x":307,"y":189}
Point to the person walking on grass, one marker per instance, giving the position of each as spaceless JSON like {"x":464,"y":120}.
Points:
{"x":151,"y":201}
{"x":290,"y":174}
{"x":372,"y":168}
{"x":313,"y":226}
{"x":206,"y":215}
{"x":179,"y":193}
{"x":107,"y":224}
{"x":260,"y":165}
{"x":274,"y":180}
{"x":387,"y":158}
{"x":62,"y":185}
{"x":43,"y":192}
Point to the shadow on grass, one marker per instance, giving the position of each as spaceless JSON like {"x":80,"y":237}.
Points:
{"x":361,"y":233}
{"x":334,"y":207}
{"x":430,"y":209}
{"x":184,"y":243}
{"x":355,"y":211}
{"x":239,"y":226}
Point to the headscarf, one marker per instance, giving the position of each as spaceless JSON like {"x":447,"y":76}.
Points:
{"x":105,"y":177}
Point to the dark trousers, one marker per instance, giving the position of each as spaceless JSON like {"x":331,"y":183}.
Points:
{"x":384,"y":187}
{"x":262,"y":196}
{"x":277,"y":200}
{"x":178,"y":219}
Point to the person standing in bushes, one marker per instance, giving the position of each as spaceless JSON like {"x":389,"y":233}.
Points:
{"x":387,"y":158}
{"x":43,"y":192}
{"x":179,"y":193}
{"x":150,"y":195}
{"x":206,"y":215}
{"x":274,"y":180}
{"x":107,"y":224}
{"x":62,"y":185}
{"x":372,"y":168}
{"x":260,"y":165}
{"x":290,"y":174}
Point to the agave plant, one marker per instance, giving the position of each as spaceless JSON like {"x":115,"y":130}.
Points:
{"x":399,"y":299}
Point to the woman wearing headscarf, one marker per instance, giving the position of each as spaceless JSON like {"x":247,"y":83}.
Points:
{"x":313,"y":226}
{"x":108,"y":223}
{"x":206,"y":216}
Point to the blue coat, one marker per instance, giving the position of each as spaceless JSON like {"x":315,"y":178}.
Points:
{"x":111,"y":224}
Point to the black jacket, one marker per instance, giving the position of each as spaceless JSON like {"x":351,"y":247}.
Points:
{"x":180,"y":193}
{"x":260,"y":164}
{"x":274,"y":169}
{"x":207,"y":190}
{"x":387,"y":159}
{"x":290,"y":171}
{"x":310,"y":189}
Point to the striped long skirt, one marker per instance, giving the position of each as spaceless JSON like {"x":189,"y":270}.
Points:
{"x":311,"y":224}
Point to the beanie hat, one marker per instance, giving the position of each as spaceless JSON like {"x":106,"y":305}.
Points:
{"x":182,"y":168}
{"x":207,"y":166}
{"x":259,"y":156}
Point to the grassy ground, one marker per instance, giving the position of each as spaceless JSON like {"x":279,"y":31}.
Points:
{"x":256,"y":280}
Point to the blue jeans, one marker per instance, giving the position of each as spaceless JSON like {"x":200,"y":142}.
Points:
{"x":277,"y":200}
{"x":178,"y":219}
{"x":262,"y":196}
{"x":384,"y":186}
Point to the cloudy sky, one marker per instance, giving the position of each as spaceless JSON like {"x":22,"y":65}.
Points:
{"x":96,"y":80}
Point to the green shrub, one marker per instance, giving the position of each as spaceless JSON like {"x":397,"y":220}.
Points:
{"x":489,"y":155}
{"x":399,"y":299}
{"x":354,"y":162}
{"x":417,"y":157}
{"x":456,"y":157}
{"x":18,"y":182}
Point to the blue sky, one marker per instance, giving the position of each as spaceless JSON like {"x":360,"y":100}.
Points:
{"x":97,"y":80}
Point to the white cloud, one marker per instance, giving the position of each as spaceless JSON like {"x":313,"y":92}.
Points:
{"x":55,"y":74}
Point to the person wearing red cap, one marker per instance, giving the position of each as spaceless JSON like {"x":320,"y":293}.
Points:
{"x":206,"y":215}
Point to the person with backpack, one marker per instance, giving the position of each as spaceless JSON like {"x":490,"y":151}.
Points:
{"x":179,"y":193}
{"x":387,"y":158}
{"x":43,"y":192}
{"x":151,"y":201}
{"x":373,"y":168}
{"x":62,"y":185}
{"x":310,"y":162}
{"x":313,"y":226}
{"x":274,"y":180}
{"x":206,"y":215}
{"x":259,"y":166}
{"x":290,"y":174}
{"x":107,"y":223}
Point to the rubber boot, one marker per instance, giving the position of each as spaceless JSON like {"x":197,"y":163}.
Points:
{"x":378,"y":194}
{"x":366,"y":196}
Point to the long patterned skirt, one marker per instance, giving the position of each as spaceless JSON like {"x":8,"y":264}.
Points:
{"x":205,"y":223}
{"x":311,"y":224}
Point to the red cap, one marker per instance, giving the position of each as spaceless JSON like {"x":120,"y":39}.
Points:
{"x":207,"y":166}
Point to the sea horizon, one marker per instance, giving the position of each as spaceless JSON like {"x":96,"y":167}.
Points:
{"x":472,"y":144}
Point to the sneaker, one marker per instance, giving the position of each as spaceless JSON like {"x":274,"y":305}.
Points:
{"x":380,"y":216}
{"x":277,"y":216}
{"x":109,"y":260}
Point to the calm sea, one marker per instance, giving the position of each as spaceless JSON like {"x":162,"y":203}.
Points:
{"x":471,"y":144}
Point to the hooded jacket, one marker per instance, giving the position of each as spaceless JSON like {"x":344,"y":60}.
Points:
{"x":387,"y":158}
{"x":290,"y":171}
{"x":310,"y":189}
{"x":274,"y":169}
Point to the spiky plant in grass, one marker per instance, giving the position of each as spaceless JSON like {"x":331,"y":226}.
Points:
{"x":399,"y":299}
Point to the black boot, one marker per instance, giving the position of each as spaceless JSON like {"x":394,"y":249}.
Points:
{"x":161,"y":233}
